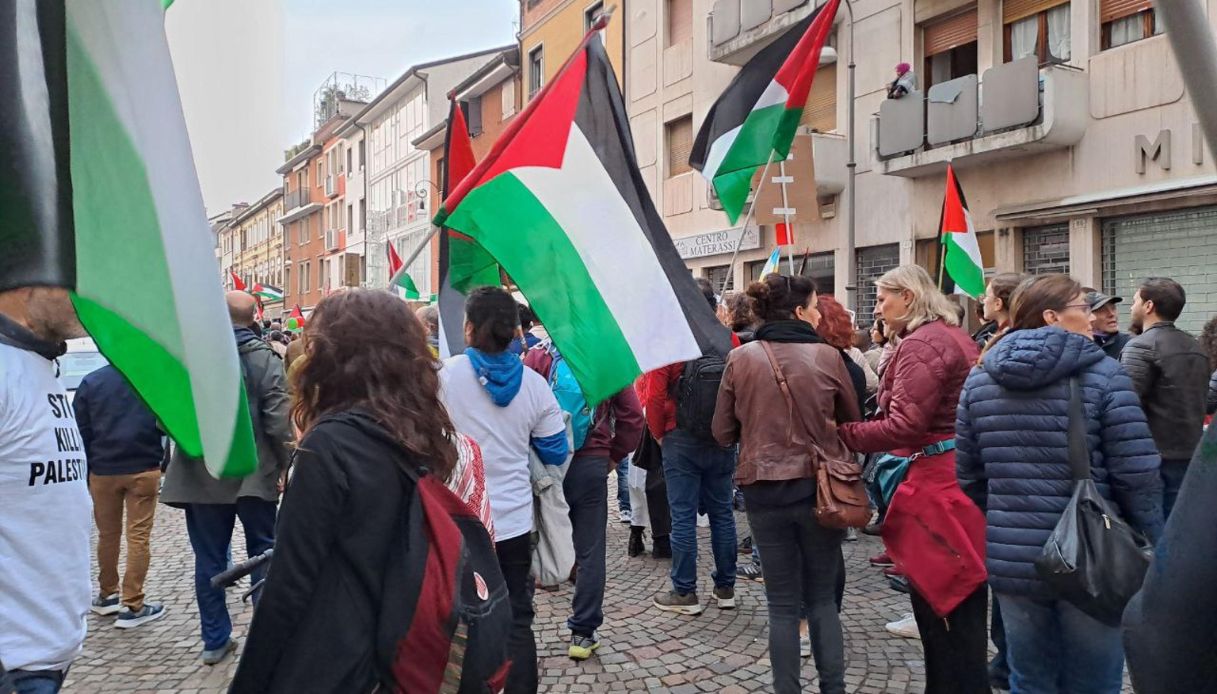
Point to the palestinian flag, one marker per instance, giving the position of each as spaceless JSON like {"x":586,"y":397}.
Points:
{"x":756,"y":117}
{"x":463,"y":265}
{"x":560,"y":204}
{"x":237,"y":283}
{"x":295,"y":319}
{"x":400,"y":280}
{"x":99,"y":187}
{"x":961,"y":264}
{"x":267,"y":292}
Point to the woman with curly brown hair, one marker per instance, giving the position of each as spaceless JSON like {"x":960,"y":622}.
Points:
{"x":368,"y":409}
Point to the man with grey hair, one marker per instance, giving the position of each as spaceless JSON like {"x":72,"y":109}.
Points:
{"x":46,"y":514}
{"x":213,"y":505}
{"x":429,"y":317}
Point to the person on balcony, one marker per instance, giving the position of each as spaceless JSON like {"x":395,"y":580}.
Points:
{"x":905,"y":82}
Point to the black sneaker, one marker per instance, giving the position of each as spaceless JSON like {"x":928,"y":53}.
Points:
{"x":636,"y":546}
{"x":745,"y":546}
{"x":582,"y":647}
{"x":725,"y":598}
{"x":750,"y":571}
{"x":150,"y":612}
{"x":104,"y":605}
{"x":680,"y":603}
{"x":661,"y":547}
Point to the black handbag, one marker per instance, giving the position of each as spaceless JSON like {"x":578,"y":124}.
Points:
{"x":1093,"y":559}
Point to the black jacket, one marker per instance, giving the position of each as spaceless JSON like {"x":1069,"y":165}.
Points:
{"x":314,"y":629}
{"x":1171,"y":373}
{"x":119,"y":431}
{"x":1113,"y":345}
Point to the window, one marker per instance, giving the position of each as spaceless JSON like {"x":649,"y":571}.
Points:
{"x":591,"y":14}
{"x":680,"y":21}
{"x":679,"y":134}
{"x":320,"y":171}
{"x":718,"y":275}
{"x":1037,"y":27}
{"x":820,"y":114}
{"x":362,"y":154}
{"x":350,"y":219}
{"x":304,"y":278}
{"x":473,"y":115}
{"x":950,"y":48}
{"x":287,"y":280}
{"x":536,"y":70}
{"x":1126,"y":21}
{"x":350,"y":169}
{"x":1046,"y":249}
{"x":323,"y":277}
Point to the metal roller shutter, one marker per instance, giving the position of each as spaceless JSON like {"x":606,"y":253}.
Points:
{"x":1110,"y":10}
{"x":1014,"y":10}
{"x":951,"y":32}
{"x":821,"y":110}
{"x":1181,"y":245}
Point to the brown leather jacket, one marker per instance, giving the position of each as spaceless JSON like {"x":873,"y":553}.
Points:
{"x":752,"y":410}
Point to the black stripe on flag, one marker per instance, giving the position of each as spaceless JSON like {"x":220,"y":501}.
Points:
{"x":37,"y":240}
{"x":601,"y":116}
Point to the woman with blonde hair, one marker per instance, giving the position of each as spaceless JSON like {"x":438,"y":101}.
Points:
{"x":932,"y":532}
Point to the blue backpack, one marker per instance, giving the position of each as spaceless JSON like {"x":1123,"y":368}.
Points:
{"x":569,"y":395}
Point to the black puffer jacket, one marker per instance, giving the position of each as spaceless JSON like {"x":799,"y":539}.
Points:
{"x":1170,"y":372}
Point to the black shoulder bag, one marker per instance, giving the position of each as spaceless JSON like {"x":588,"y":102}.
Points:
{"x":1093,"y":559}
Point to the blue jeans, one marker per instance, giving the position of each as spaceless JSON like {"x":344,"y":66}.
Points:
{"x":37,"y":681}
{"x":1173,"y":472}
{"x":210,"y":529}
{"x":623,"y":485}
{"x":1055,"y":648}
{"x":699,"y":473}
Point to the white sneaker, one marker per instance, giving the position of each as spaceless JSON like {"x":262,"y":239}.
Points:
{"x":805,"y":646}
{"x":905,"y":627}
{"x":703,"y":521}
{"x":625,"y":517}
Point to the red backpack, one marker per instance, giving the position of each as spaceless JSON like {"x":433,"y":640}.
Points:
{"x":445,"y":615}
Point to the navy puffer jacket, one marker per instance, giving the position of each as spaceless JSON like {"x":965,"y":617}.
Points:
{"x":1012,"y":446}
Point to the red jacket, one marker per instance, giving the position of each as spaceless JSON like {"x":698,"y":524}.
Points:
{"x":655,"y":389}
{"x":919,"y":393}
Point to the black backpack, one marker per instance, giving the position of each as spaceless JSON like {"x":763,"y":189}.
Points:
{"x":445,"y":614}
{"x":697,"y":394}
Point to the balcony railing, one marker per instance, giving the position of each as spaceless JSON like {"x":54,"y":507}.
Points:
{"x":740,"y":28}
{"x":1017,"y":109}
{"x":295,"y":198}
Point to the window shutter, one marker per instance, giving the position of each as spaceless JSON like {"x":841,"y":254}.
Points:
{"x":958,"y":30}
{"x":680,"y":21}
{"x":680,"y":145}
{"x":1111,"y":10}
{"x":1014,"y":10}
{"x":821,"y":110}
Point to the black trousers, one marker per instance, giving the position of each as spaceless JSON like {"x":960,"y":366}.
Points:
{"x":657,"y":503}
{"x":515,"y":561}
{"x":956,"y":648}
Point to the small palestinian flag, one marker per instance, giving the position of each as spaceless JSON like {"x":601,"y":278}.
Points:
{"x":237,"y":283}
{"x":267,"y":292}
{"x":400,"y":280}
{"x":560,"y":204}
{"x":961,"y":262}
{"x":295,"y":319}
{"x":99,"y":187}
{"x":757,"y":116}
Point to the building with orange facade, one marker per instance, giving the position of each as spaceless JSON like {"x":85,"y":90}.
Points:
{"x":550,"y":30}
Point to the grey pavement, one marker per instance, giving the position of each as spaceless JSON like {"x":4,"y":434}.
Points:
{"x":643,"y":649}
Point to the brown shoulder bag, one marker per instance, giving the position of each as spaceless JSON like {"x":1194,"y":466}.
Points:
{"x":841,"y":500}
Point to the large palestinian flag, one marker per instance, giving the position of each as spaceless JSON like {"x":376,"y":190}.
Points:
{"x":560,"y":204}
{"x":962,"y":270}
{"x":98,"y":186}
{"x":757,"y":116}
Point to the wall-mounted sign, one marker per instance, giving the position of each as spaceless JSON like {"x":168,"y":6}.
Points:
{"x":717,"y":242}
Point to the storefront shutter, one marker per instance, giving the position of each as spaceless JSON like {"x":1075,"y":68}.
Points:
{"x":821,"y":110}
{"x":958,"y":30}
{"x":680,"y":145}
{"x":1110,"y":10}
{"x":1014,"y":10}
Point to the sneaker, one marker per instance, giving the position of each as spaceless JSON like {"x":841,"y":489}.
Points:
{"x":636,"y":546}
{"x":750,"y":571}
{"x":625,"y":517}
{"x":881,"y":559}
{"x":661,"y":547}
{"x":680,"y":603}
{"x":216,"y":655}
{"x":150,"y":612}
{"x":900,"y":584}
{"x":745,"y":546}
{"x":725,"y":598}
{"x":805,"y":646}
{"x":703,"y":521}
{"x":874,"y":530}
{"x":892,"y":571}
{"x":851,"y":534}
{"x":905,"y":627}
{"x":582,"y":647}
{"x":103,"y":605}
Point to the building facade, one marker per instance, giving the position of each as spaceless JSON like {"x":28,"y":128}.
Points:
{"x":1068,"y":125}
{"x":550,"y":30}
{"x":257,"y":237}
{"x":398,"y":186}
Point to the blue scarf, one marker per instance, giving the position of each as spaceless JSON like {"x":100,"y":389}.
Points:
{"x":500,"y":374}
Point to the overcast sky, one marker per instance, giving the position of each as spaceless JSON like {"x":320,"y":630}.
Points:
{"x":247,"y":69}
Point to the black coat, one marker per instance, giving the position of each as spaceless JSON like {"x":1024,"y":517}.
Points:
{"x":314,"y":629}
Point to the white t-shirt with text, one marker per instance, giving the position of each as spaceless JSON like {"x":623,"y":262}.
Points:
{"x":504,"y":434}
{"x":46,"y":517}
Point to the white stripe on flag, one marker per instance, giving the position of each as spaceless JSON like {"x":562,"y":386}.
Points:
{"x":774,"y":94}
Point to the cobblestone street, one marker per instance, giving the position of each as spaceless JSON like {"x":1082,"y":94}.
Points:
{"x":643,"y":649}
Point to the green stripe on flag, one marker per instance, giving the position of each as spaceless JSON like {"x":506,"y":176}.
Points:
{"x":965,"y":271}
{"x":505,"y":203}
{"x":766,"y":131}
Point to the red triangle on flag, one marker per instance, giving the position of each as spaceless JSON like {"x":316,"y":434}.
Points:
{"x":954,"y":213}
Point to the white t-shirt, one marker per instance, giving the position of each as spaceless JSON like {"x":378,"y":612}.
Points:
{"x":46,"y":516}
{"x":503,"y":433}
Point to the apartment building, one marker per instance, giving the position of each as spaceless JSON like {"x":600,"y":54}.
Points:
{"x":1067,"y":122}
{"x":257,"y":239}
{"x":550,"y":30}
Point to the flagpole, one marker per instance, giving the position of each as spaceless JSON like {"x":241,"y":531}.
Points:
{"x":786,"y":215}
{"x":744,"y":229}
{"x":851,"y":265}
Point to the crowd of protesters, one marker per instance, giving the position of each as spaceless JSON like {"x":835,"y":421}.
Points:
{"x":978,"y":426}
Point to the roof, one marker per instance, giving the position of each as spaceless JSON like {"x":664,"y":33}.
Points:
{"x":274,"y":194}
{"x":303,"y":156}
{"x":492,"y":73}
{"x":433,"y":138}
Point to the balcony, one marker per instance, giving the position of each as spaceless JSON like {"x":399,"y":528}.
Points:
{"x":1018,"y":109}
{"x":739,"y":29}
{"x":296,"y":205}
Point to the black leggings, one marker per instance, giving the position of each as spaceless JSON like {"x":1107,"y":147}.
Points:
{"x":515,"y":561}
{"x":956,"y":647}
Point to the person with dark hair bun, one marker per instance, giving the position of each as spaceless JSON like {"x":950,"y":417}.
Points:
{"x":781,"y":398}
{"x":508,"y":410}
